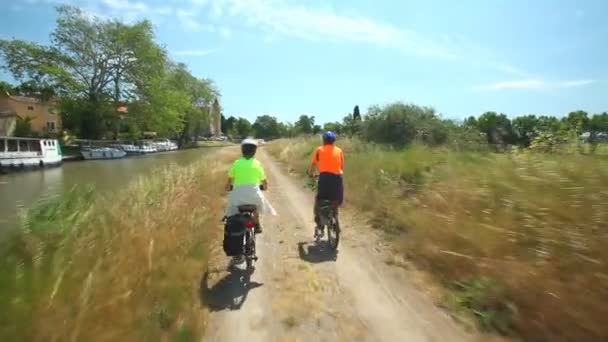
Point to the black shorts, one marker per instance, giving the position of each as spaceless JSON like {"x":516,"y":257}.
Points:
{"x":330,"y":187}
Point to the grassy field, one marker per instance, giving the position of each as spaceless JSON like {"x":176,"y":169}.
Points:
{"x":119,"y":268}
{"x":518,"y":240}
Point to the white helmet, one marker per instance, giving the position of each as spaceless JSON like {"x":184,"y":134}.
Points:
{"x":249,"y":141}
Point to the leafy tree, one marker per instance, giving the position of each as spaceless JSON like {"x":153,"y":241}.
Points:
{"x":548,"y":124}
{"x":335,"y":127}
{"x":348,"y":125}
{"x":6,"y":87}
{"x":496,"y":127}
{"x":526,"y":128}
{"x":243,"y":127}
{"x":577,"y":121}
{"x":95,"y":65}
{"x":598,"y":128}
{"x":23,"y":127}
{"x":305,"y":124}
{"x":471,"y":122}
{"x":287,"y":130}
{"x":267,"y":127}
{"x":229,"y":125}
{"x":33,"y":89}
{"x":400,"y":124}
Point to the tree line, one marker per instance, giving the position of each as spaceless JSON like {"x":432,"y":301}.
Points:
{"x":93,"y":67}
{"x":400,"y":124}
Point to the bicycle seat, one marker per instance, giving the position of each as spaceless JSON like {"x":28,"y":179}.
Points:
{"x":247,"y":208}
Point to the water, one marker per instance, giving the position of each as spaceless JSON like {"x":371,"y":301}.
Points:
{"x":21,"y":190}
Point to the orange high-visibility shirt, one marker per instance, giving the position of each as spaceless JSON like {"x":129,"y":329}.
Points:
{"x":329,"y":159}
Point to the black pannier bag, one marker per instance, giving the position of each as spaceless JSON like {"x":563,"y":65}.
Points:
{"x":234,"y":233}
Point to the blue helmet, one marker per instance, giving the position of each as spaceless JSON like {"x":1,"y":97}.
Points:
{"x":329,"y":137}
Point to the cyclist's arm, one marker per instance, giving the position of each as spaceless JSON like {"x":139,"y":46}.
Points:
{"x":230,"y":180}
{"x":264,"y":182}
{"x":313,"y":163}
{"x":229,"y":184}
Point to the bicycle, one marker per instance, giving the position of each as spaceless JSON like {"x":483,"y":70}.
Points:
{"x":247,"y":212}
{"x":247,"y":221}
{"x":328,"y":220}
{"x":327,"y":213}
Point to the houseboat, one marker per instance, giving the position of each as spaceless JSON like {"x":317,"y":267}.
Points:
{"x":130,"y":149}
{"x":21,"y":153}
{"x":103,"y":153}
{"x":164,"y":145}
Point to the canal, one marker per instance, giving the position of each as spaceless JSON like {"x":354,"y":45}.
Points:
{"x":19,"y":191}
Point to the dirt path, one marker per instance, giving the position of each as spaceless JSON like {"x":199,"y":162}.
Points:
{"x":301,"y":291}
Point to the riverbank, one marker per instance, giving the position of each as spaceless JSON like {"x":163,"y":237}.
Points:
{"x":120,"y":266}
{"x":515,"y":240}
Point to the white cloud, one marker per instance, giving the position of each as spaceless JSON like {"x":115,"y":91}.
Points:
{"x":280,"y":18}
{"x":576,"y":83}
{"x":126,"y":5}
{"x":199,"y":52}
{"x":532,"y":84}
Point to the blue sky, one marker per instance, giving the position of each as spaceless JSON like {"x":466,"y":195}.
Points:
{"x":322,"y":57}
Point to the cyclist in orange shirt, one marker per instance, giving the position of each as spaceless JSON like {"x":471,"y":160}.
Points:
{"x":329,"y":160}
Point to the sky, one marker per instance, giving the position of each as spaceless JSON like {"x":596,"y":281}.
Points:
{"x":323,"y":57}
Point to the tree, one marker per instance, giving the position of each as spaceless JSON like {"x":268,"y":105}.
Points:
{"x":335,"y":127}
{"x":229,"y":124}
{"x":471,"y":122}
{"x":305,"y":124}
{"x":94,"y":65}
{"x":348,"y":125}
{"x":399,"y":124}
{"x":243,"y":127}
{"x":598,"y":128}
{"x":548,"y":124}
{"x":23,"y":127}
{"x":6,"y":87}
{"x":577,"y":121}
{"x":525,"y":129}
{"x":267,"y":127}
{"x":356,"y":114}
{"x":496,"y":127}
{"x":33,"y":89}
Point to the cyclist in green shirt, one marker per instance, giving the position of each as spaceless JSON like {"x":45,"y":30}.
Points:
{"x":246,"y":180}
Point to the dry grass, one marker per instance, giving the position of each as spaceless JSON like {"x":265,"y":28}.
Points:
{"x":519,"y":238}
{"x":123,"y":268}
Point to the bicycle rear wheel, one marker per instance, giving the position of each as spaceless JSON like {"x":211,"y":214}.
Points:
{"x":333,"y":233}
{"x":250,"y":255}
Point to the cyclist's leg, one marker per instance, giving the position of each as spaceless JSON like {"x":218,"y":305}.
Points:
{"x":258,"y":225}
{"x":339,"y":190}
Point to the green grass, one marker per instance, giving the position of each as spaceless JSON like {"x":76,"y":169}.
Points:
{"x":531,"y":224}
{"x":89,"y":268}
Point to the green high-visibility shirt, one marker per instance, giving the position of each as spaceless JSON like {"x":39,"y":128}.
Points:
{"x":247,"y":172}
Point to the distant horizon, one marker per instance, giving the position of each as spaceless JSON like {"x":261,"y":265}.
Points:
{"x":322,"y":58}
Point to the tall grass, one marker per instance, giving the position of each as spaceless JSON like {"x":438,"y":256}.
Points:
{"x":125,"y":267}
{"x":520,"y":239}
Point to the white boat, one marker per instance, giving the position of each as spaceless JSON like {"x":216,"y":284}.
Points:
{"x":19,"y":153}
{"x":164,"y":145}
{"x":130,"y":149}
{"x":103,"y":153}
{"x":148,"y":148}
